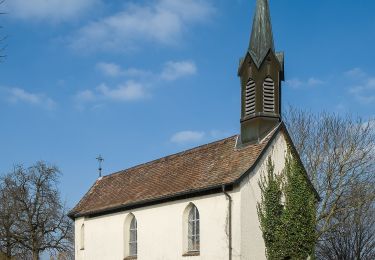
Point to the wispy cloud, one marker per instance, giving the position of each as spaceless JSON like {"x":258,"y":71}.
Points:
{"x":364,"y":92}
{"x":114,"y":70}
{"x":174,"y":70}
{"x":356,"y":73}
{"x":55,"y":10}
{"x":136,"y":88}
{"x":18,"y":95}
{"x":129,"y":91}
{"x":160,"y":21}
{"x":362,"y":86}
{"x":193,"y":137}
{"x":299,"y":83}
{"x":185,"y":137}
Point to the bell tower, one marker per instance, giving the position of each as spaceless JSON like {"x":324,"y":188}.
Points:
{"x":261,"y":72}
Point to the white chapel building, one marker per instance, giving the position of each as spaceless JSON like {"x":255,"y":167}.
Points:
{"x":200,"y":204}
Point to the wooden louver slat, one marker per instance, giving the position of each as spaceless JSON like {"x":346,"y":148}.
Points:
{"x":268,"y":96}
{"x":250,"y":98}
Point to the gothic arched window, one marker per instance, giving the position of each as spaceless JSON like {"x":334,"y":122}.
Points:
{"x":133,"y":237}
{"x":193,"y":230}
{"x":250,"y":98}
{"x":268,"y":96}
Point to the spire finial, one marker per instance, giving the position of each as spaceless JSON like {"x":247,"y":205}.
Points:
{"x":261,"y":40}
{"x":100,"y":160}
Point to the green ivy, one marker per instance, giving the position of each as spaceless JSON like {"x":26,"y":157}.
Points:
{"x":289,"y":229}
{"x":270,"y":211}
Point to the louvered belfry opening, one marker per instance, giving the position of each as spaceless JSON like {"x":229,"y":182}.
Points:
{"x":261,"y":71}
{"x":268,"y":96}
{"x":250,"y":98}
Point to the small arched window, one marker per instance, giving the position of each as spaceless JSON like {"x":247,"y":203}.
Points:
{"x":268,"y":96}
{"x":82,"y":237}
{"x":250,"y":98}
{"x":193,"y":230}
{"x":133,"y":237}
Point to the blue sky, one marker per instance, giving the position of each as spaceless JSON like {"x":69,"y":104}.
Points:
{"x":138,"y":80}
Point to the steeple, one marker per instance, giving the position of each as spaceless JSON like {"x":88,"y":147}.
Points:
{"x":261,"y":72}
{"x":261,"y":40}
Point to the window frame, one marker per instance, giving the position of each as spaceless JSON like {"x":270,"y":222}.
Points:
{"x":133,"y":238}
{"x":191,"y":231}
{"x":130,"y":234}
{"x":82,"y":237}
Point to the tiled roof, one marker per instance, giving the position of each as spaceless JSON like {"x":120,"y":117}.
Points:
{"x":201,"y":168}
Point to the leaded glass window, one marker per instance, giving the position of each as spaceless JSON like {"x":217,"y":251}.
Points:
{"x":133,"y":238}
{"x":193,"y":230}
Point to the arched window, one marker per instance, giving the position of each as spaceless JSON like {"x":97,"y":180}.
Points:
{"x":268,"y":96}
{"x":133,"y":237}
{"x":250,"y":98}
{"x":82,"y":237}
{"x":193,"y":230}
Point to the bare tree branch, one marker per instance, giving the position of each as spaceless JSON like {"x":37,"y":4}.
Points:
{"x":40,"y":218}
{"x":339,"y":155}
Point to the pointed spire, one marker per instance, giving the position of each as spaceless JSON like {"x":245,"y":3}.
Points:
{"x":261,"y":40}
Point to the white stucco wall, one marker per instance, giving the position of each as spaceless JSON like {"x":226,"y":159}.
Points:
{"x":252,"y":243}
{"x":160,"y":235}
{"x":160,"y":227}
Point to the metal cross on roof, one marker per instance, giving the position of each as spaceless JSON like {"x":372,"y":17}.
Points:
{"x":100,"y":160}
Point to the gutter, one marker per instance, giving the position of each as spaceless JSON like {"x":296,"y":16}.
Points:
{"x":178,"y":196}
{"x":229,"y":198}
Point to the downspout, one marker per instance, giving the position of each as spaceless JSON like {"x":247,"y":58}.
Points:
{"x":229,"y":198}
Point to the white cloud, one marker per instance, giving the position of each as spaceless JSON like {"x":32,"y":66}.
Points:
{"x":189,"y":136}
{"x":129,"y":91}
{"x":161,"y":21}
{"x":109,"y":69}
{"x":18,"y":95}
{"x":174,"y":70}
{"x":365,"y":92}
{"x":114,"y":70}
{"x":356,"y":73}
{"x":298,"y":83}
{"x":314,"y":82}
{"x":86,"y":96}
{"x":185,"y":137}
{"x":55,"y":10}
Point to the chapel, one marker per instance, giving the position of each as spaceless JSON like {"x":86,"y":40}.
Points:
{"x":199,"y":204}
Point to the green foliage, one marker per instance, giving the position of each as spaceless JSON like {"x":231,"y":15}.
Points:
{"x":289,"y":230}
{"x":270,"y":210}
{"x":299,"y":214}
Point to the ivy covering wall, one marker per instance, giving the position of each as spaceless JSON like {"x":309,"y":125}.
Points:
{"x":287,"y":212}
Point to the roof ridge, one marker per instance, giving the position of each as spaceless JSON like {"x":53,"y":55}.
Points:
{"x":190,"y":150}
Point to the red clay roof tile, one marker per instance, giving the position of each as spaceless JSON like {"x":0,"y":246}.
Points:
{"x":210,"y":165}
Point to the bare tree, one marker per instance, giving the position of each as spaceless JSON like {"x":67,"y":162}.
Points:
{"x":354,"y":235}
{"x":7,"y":221}
{"x":41,"y":223}
{"x":339,"y":155}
